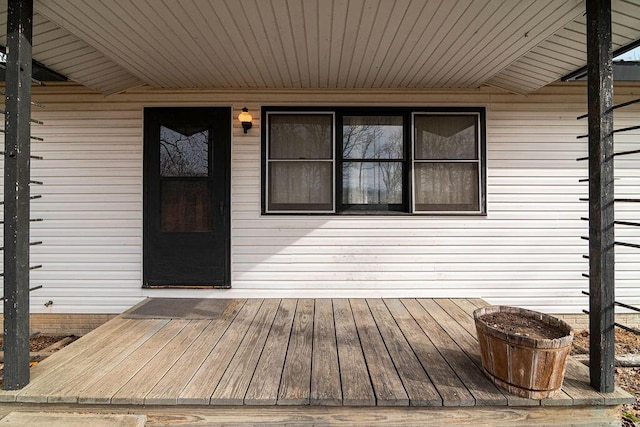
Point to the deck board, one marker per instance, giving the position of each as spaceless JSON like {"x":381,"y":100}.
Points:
{"x":579,"y":376}
{"x":80,"y":348}
{"x":167,"y":390}
{"x":101,"y":388}
{"x":265,"y":383}
{"x":296,"y":374}
{"x":325,"y":371}
{"x":465,"y":304}
{"x":62,"y":385}
{"x":580,"y":392}
{"x":415,"y":380}
{"x":449,"y":386}
{"x":354,"y":375}
{"x":102,"y":362}
{"x":481,"y":388}
{"x":203,"y":383}
{"x":236,"y":379}
{"x":387,"y":384}
{"x":137,"y":388}
{"x":461,"y":316}
{"x":310,"y":353}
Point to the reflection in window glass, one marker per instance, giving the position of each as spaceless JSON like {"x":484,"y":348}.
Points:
{"x":184,"y":152}
{"x":372,"y":137}
{"x":446,"y":186}
{"x":368,"y":180}
{"x":301,"y":136}
{"x":372,"y":183}
{"x":446,"y":137}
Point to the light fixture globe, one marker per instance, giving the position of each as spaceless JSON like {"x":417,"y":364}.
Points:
{"x":245,"y":119}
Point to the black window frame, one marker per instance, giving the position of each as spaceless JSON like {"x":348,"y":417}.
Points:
{"x":381,"y":209}
{"x":408,"y":204}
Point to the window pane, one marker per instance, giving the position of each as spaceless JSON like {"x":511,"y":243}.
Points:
{"x":372,"y":183}
{"x":446,"y":186}
{"x":300,"y":136}
{"x":184,"y":152}
{"x":450,"y":137}
{"x":185,"y":206}
{"x":301,"y":186}
{"x":372,"y":137}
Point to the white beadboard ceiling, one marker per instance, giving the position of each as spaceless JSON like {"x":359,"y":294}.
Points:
{"x":65,"y":53}
{"x":518,"y":45}
{"x":565,"y":51}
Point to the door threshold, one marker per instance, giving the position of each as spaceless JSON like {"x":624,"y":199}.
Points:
{"x":177,"y":286}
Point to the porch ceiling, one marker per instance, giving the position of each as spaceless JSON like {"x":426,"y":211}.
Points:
{"x":519,"y":45}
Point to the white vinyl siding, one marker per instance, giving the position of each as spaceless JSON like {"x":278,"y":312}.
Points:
{"x":90,"y":207}
{"x":527,"y":251}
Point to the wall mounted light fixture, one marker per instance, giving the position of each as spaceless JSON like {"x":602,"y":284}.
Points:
{"x":245,"y":119}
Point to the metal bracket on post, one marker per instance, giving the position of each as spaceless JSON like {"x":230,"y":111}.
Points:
{"x":16,"y":193}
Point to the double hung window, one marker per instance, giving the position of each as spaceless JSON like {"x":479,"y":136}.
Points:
{"x":300,"y":163}
{"x":447,"y":163}
{"x":374,"y":161}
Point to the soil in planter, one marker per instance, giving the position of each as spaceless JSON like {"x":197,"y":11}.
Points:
{"x":516,"y":324}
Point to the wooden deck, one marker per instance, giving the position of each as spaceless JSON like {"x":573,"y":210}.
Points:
{"x":305,"y":352}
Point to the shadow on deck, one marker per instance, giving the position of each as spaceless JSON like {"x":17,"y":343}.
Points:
{"x":357,"y":361}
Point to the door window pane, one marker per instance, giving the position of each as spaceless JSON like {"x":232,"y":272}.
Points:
{"x":184,"y":152}
{"x":372,"y":183}
{"x":446,"y":137}
{"x":446,"y":186}
{"x":185,"y":206}
{"x":372,"y":137}
{"x":301,"y":186}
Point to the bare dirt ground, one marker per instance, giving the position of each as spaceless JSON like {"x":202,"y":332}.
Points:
{"x":627,"y":343}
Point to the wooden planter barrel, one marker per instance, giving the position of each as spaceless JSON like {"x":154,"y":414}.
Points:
{"x":529,"y":367}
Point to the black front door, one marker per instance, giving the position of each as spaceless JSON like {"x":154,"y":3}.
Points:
{"x":186,"y":197}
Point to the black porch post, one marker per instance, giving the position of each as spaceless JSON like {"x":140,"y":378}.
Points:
{"x":601,"y":196}
{"x":16,"y":194}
